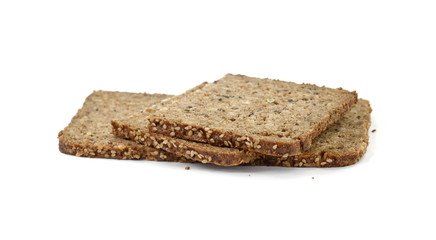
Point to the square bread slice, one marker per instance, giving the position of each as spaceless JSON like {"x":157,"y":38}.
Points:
{"x":89,"y":133}
{"x":135,"y":128}
{"x":267,"y":116}
{"x":342,"y":144}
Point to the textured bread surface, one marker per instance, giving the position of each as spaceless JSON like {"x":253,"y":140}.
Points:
{"x":89,"y":133}
{"x":267,"y":116}
{"x":136,"y":129}
{"x":342,"y":144}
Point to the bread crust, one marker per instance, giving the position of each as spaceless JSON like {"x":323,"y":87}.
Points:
{"x":131,"y":152}
{"x":196,"y":151}
{"x":227,"y":136}
{"x":107,"y":146}
{"x":89,"y":132}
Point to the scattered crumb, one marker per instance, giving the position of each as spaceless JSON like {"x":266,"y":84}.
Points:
{"x":187,"y":168}
{"x":374,"y":130}
{"x":249,"y":175}
{"x":313,"y":177}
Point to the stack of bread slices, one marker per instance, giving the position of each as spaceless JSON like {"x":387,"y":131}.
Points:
{"x":236,"y":120}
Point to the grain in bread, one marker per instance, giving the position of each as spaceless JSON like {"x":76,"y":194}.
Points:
{"x":267,"y":116}
{"x":89,"y":134}
{"x":136,"y":129}
{"x":342,"y":144}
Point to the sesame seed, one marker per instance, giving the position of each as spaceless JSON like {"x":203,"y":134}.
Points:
{"x":154,"y":129}
{"x":323,"y":163}
{"x":177,"y":128}
{"x":172,"y":134}
{"x":275,"y":147}
{"x":329,"y":160}
{"x":164,"y":126}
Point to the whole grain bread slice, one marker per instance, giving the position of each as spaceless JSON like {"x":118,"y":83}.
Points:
{"x":342,"y":144}
{"x":89,"y":134}
{"x":136,"y":129}
{"x":267,"y":116}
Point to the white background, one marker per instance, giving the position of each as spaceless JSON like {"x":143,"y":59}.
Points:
{"x":54,"y":53}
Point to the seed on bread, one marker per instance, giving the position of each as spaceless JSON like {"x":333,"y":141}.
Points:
{"x":235,"y":96}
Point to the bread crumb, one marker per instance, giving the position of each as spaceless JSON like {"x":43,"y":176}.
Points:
{"x":313,"y":177}
{"x":374,"y":130}
{"x":187,"y":168}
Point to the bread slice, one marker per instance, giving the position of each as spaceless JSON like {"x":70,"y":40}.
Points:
{"x":136,"y":129}
{"x":267,"y":116}
{"x":342,"y":144}
{"x":89,"y":133}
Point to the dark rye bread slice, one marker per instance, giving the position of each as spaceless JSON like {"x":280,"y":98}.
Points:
{"x":89,"y":133}
{"x":342,"y":144}
{"x":271,"y":117}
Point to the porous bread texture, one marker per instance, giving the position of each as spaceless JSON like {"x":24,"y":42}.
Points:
{"x":267,"y":116}
{"x":136,"y":128}
{"x":89,"y":134}
{"x":342,"y":144}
